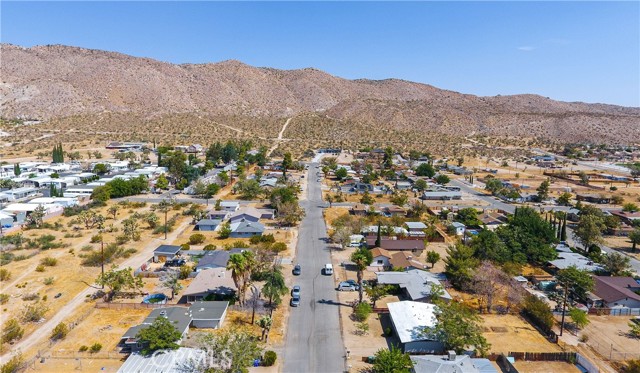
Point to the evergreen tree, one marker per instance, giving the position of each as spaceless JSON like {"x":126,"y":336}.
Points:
{"x":16,"y":169}
{"x":563,"y":231}
{"x":378,"y":237}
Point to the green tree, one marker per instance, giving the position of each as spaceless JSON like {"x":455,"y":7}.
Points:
{"x":629,"y":207}
{"x":16,"y":169}
{"x":539,"y":311}
{"x":634,"y":237}
{"x":616,"y":264}
{"x":113,"y":210}
{"x":432,"y":258}
{"x":341,"y":173}
{"x":287,"y":163}
{"x":118,"y":280}
{"x":493,"y":185}
{"x":160,"y":335}
{"x":367,"y":199}
{"x":274,"y":287}
{"x":265,"y":323}
{"x":458,"y":327}
{"x":377,"y":292}
{"x":392,"y":361}
{"x":469,"y":217}
{"x":420,"y":185}
{"x":528,"y":237}
{"x":101,"y":169}
{"x":576,"y":280}
{"x":248,"y":189}
{"x":362,"y":258}
{"x":459,"y":265}
{"x":589,"y":230}
{"x":565,"y":199}
{"x":241,"y":266}
{"x":579,"y":317}
{"x":425,"y":169}
{"x":225,"y":230}
{"x":399,"y":199}
{"x":563,"y":230}
{"x":162,"y":182}
{"x":442,"y":179}
{"x":101,"y":193}
{"x":543,"y":190}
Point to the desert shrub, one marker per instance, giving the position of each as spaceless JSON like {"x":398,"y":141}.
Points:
{"x":210,"y":247}
{"x":278,"y":247}
{"x":6,"y":258}
{"x":83,"y":348}
{"x":239,"y":244}
{"x":5,"y":274}
{"x":11,"y":331}
{"x":387,"y":331}
{"x":362,"y":311}
{"x":30,"y":296}
{"x":44,"y":298}
{"x":59,"y":332}
{"x":4,"y":298}
{"x":269,"y":358}
{"x":185,"y":271}
{"x":33,"y":312}
{"x":49,"y":261}
{"x":95,"y":347}
{"x":185,"y":246}
{"x":48,"y":281}
{"x":96,"y":238}
{"x":267,"y":238}
{"x":86,"y":248}
{"x":196,"y":239}
{"x":111,"y":252}
{"x":13,"y":365}
{"x":40,"y":268}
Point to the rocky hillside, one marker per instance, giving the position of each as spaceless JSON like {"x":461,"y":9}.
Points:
{"x":46,"y":82}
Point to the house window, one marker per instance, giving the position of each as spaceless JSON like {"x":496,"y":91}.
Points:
{"x":380,"y":262}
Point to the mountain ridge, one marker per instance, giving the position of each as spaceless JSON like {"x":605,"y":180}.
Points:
{"x":54,"y":81}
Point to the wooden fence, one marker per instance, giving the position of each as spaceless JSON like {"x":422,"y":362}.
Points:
{"x":544,"y":356}
{"x":134,"y":306}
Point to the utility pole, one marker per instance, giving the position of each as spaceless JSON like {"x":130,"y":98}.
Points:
{"x":166,"y":211}
{"x":102,"y":254}
{"x":564,"y":306}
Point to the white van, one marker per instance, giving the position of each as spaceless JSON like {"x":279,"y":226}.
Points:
{"x":328,"y":269}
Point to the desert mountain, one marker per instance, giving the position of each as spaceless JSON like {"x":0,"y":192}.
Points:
{"x":48,"y":82}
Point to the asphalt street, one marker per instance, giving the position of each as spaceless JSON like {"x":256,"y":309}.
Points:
{"x":313,"y":341}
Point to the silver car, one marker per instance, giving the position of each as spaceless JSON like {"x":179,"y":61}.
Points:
{"x":345,"y":286}
{"x":295,"y":291}
{"x":295,"y":301}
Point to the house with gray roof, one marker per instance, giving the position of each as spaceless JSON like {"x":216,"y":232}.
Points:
{"x":416,"y":285}
{"x":165,"y":252}
{"x":211,"y":283}
{"x":170,"y":361}
{"x":216,"y":259}
{"x":207,"y":225}
{"x":570,"y":259}
{"x":411,"y":322}
{"x":450,"y":363}
{"x":243,"y":229}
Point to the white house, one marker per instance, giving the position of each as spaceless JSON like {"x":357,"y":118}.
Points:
{"x":411,"y":321}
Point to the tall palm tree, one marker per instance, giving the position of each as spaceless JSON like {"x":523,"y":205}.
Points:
{"x":237,"y":265}
{"x":362,"y":258}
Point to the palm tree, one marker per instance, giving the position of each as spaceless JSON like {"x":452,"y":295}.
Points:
{"x":265,"y":323}
{"x":237,"y":265}
{"x":362,"y":258}
{"x":274,"y":286}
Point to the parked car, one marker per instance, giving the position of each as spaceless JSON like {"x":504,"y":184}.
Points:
{"x":353,"y":282}
{"x":175,"y":263}
{"x":345,"y":286}
{"x":295,"y":292}
{"x":328,"y":269}
{"x":295,"y":301}
{"x":297,"y":270}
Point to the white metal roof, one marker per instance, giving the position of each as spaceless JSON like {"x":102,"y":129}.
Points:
{"x":169,"y":362}
{"x":410,"y":318}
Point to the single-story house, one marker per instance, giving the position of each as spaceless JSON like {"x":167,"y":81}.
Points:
{"x":241,"y":229}
{"x":415,"y":246}
{"x":165,"y":252}
{"x":372,"y":230}
{"x":411,"y":321}
{"x":395,"y":211}
{"x":441,"y":194}
{"x":406,"y":261}
{"x":218,"y":215}
{"x":229,"y":206}
{"x":207,"y":225}
{"x":171,"y":361}
{"x":626,"y":217}
{"x":179,"y":317}
{"x":62,"y":201}
{"x":359,"y":209}
{"x":452,"y":363}
{"x":416,"y":284}
{"x":216,"y":259}
{"x":251,"y":214}
{"x":566,"y":260}
{"x":355,"y":240}
{"x":492,"y":220}
{"x":593,"y":198}
{"x":380,"y":258}
{"x":416,"y":228}
{"x":459,"y":228}
{"x":209,"y":315}
{"x":212,"y":283}
{"x":615,"y":292}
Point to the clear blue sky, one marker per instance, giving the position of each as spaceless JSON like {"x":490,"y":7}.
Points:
{"x":570,"y":51}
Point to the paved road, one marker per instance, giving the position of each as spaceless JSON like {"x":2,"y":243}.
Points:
{"x":314,"y":342}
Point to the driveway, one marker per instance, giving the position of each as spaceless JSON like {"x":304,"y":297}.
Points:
{"x":314,"y":341}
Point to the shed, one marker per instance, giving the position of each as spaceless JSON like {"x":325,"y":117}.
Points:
{"x":165,"y":252}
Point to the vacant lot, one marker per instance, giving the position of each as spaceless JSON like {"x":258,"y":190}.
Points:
{"x":608,"y":335}
{"x":545,"y":367}
{"x":508,"y":333}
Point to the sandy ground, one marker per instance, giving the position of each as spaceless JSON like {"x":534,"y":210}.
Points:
{"x":511,"y":333}
{"x":608,"y":336}
{"x":545,"y":367}
{"x":622,"y":244}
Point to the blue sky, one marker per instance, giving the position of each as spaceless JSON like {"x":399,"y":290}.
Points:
{"x":570,"y":51}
